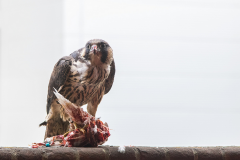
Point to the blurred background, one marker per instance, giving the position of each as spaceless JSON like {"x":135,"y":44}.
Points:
{"x":177,"y":77}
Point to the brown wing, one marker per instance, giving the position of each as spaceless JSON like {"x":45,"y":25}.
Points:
{"x":59,"y":76}
{"x":76,"y":54}
{"x":110,"y":79}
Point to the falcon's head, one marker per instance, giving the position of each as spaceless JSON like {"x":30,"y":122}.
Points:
{"x":98,"y":52}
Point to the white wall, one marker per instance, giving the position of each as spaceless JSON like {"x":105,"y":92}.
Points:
{"x":0,"y":59}
{"x":73,"y":15}
{"x":32,"y":42}
{"x":178,"y":70}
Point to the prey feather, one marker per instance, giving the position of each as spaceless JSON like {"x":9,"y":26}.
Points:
{"x":76,"y":113}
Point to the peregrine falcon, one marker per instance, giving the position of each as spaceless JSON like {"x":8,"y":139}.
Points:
{"x":83,"y":77}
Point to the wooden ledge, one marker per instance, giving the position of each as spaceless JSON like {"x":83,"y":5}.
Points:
{"x":112,"y":153}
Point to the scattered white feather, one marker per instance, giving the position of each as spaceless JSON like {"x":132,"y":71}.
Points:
{"x":98,"y":118}
{"x":48,"y":140}
{"x":63,"y":101}
{"x":94,"y":129}
{"x":87,"y":121}
{"x":66,"y":145}
{"x":121,"y":149}
{"x":81,"y":68}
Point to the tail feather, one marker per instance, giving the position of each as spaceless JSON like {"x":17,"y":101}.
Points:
{"x":56,"y":126}
{"x":43,"y":124}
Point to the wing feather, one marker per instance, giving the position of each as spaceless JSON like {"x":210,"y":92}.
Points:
{"x":110,"y":79}
{"x":58,"y":78}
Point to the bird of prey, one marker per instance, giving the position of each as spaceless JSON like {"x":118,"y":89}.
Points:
{"x":83,"y":77}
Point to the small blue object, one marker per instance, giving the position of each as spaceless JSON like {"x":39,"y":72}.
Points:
{"x":47,"y":145}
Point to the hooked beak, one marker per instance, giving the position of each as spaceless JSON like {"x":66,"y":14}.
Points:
{"x":94,"y":48}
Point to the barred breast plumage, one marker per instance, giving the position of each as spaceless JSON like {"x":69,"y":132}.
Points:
{"x":83,"y":82}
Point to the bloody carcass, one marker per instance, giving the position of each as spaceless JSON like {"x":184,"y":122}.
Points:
{"x":85,"y":130}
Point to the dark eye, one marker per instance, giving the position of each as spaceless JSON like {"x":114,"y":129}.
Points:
{"x":88,"y":46}
{"x":103,"y":45}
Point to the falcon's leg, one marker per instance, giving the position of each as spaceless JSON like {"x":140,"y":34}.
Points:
{"x":55,"y":124}
{"x":95,"y":101}
{"x":92,"y":108}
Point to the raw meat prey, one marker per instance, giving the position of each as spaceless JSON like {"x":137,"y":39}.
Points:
{"x":86,"y":130}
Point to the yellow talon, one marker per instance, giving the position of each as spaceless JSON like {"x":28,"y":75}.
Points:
{"x":75,"y":125}
{"x":65,"y":134}
{"x":81,"y":129}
